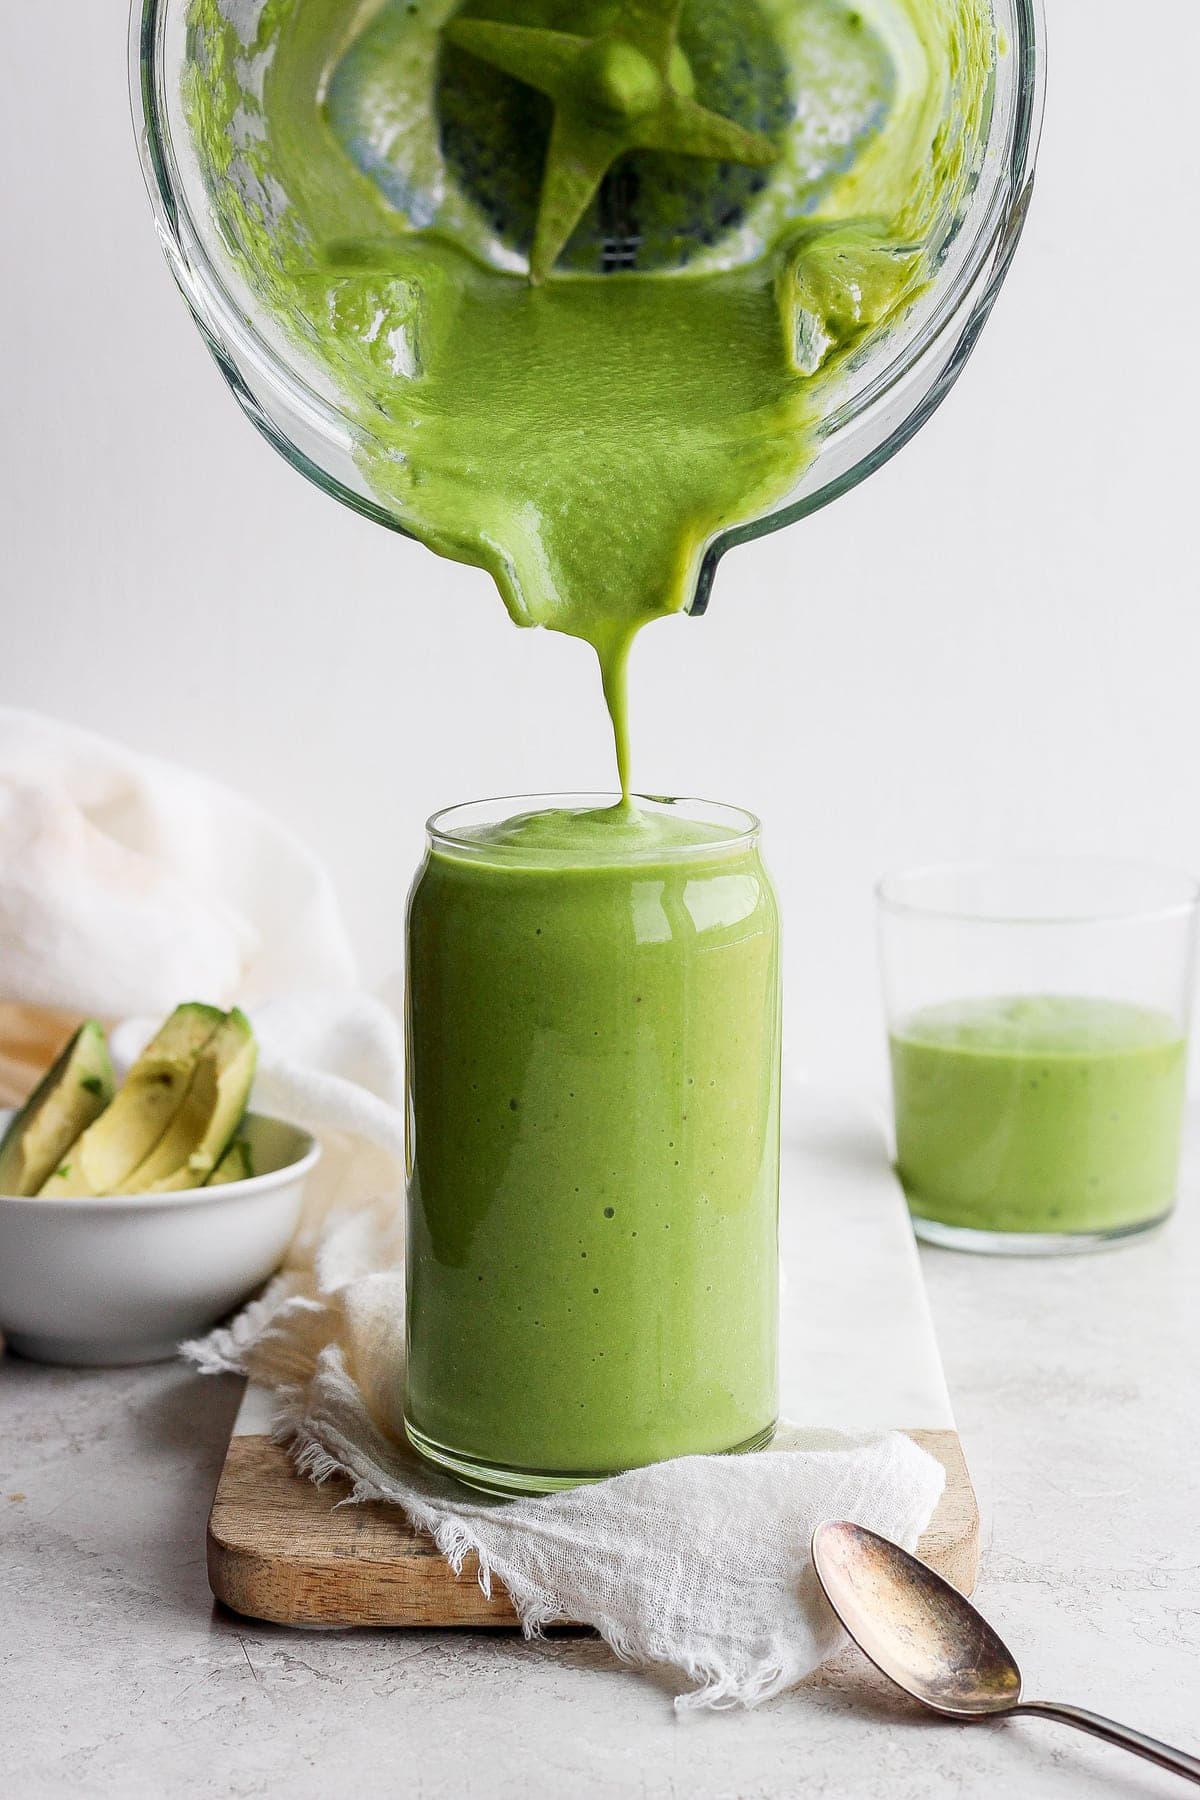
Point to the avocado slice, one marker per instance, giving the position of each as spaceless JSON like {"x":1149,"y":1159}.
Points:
{"x":104,"y":1158}
{"x":237,"y":1164}
{"x":209,"y":1116}
{"x":68,"y":1098}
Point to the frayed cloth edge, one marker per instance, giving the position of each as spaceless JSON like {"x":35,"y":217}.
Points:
{"x":717,"y":1686}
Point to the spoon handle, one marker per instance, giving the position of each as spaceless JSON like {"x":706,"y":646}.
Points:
{"x":1178,"y":1761}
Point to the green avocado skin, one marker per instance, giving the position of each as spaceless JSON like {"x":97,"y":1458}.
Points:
{"x":237,"y":1164}
{"x":209,"y":1114}
{"x":104,"y":1158}
{"x":69,"y":1097}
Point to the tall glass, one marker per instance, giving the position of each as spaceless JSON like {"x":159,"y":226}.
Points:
{"x":1038,"y":1017}
{"x":594,"y":1144}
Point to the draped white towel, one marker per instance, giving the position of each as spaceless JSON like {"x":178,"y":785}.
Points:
{"x":127,"y":885}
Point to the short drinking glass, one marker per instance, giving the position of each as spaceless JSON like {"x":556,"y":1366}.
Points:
{"x":1038,"y":1018}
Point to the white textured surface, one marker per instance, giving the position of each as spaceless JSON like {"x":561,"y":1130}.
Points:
{"x":1077,"y":1381}
{"x":857,"y":1349}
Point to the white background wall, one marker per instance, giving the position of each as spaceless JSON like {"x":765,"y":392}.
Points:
{"x":993,"y":646}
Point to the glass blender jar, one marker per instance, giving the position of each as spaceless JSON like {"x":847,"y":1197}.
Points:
{"x":886,"y":389}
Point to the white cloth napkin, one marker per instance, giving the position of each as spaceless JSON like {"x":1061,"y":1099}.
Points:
{"x":126,"y":886}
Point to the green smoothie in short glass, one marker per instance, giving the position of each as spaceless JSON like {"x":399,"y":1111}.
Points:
{"x":593,"y":1023}
{"x":1045,"y":1114}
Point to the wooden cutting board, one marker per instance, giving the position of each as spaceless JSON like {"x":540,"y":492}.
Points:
{"x":857,"y":1351}
{"x":278,"y":1549}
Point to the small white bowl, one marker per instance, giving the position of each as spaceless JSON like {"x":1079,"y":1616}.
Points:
{"x":124,"y":1278}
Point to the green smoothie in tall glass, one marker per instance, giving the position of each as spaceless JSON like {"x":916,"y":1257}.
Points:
{"x":593,"y":1020}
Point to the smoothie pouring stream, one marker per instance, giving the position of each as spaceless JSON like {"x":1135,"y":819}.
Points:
{"x":586,"y":280}
{"x":720,"y":204}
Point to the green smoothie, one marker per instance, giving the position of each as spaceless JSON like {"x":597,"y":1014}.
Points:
{"x":1039,"y":1114}
{"x":593,"y":1021}
{"x":380,"y":182}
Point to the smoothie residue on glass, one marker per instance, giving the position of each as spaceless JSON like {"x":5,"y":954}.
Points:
{"x":586,"y":277}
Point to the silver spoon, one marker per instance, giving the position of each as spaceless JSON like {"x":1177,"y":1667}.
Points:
{"x":931,"y":1642}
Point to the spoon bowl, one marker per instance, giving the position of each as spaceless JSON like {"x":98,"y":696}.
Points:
{"x":918,"y":1630}
{"x":927,"y":1637}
